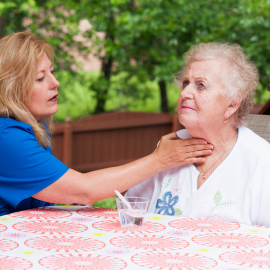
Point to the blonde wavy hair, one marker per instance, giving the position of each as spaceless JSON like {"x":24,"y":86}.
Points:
{"x":20,"y":55}
{"x":240,"y":77}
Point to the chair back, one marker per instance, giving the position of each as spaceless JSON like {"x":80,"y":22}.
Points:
{"x":260,"y":124}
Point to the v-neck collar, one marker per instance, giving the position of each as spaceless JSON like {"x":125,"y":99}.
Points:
{"x":197,"y":172}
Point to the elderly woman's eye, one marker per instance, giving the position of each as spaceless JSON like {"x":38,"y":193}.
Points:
{"x":185,"y":83}
{"x":201,"y":86}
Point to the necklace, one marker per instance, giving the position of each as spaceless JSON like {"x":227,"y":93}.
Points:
{"x":204,"y":172}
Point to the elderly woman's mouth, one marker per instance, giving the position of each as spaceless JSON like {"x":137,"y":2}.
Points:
{"x":187,"y":108}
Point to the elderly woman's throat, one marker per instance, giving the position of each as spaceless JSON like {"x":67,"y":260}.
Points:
{"x":206,"y":172}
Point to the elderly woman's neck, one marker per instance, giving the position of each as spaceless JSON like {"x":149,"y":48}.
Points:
{"x":219,"y":138}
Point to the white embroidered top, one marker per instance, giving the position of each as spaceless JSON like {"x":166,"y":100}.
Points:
{"x":237,"y":191}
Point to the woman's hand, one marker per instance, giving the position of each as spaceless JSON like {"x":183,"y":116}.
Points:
{"x":74,"y":187}
{"x":173,"y":151}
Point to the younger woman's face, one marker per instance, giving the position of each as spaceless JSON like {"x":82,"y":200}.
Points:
{"x":44,"y":96}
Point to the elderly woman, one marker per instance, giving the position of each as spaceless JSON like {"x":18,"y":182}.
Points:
{"x":233,"y":185}
{"x":29,"y":175}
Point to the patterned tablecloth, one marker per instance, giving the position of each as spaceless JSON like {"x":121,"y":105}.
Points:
{"x":76,"y":237}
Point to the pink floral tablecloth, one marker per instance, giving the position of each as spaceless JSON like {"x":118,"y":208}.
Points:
{"x":77,"y":237}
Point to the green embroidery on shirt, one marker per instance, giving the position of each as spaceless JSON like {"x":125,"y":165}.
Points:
{"x":165,"y":185}
{"x":217,"y":200}
{"x":178,"y":212}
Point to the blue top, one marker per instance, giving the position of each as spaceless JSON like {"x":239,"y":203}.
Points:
{"x":25,"y":167}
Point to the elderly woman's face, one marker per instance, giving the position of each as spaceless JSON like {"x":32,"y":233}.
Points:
{"x":201,"y":102}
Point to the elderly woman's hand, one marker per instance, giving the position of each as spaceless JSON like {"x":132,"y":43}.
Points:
{"x":173,"y":151}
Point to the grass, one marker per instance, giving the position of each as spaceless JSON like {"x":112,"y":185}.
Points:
{"x":106,"y":203}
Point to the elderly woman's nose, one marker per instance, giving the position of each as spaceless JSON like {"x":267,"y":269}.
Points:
{"x":186,"y":93}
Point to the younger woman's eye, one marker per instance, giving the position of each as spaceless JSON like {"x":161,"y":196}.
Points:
{"x":41,"y":79}
{"x":185,"y":83}
{"x":53,"y":71}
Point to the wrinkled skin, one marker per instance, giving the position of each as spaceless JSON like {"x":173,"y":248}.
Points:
{"x":202,"y":107}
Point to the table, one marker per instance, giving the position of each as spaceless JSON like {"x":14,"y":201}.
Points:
{"x":80,"y":237}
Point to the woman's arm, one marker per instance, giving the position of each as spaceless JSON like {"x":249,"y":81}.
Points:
{"x":75,"y":187}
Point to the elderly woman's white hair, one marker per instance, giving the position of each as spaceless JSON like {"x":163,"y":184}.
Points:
{"x":240,"y":77}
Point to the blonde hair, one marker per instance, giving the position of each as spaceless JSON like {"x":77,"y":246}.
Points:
{"x":240,"y":79}
{"x":20,"y":55}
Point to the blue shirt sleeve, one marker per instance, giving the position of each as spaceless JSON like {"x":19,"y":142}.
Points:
{"x":26,"y":167}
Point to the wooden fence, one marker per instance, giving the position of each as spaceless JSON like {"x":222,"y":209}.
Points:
{"x":110,"y":139}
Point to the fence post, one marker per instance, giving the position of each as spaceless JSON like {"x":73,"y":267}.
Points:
{"x":67,"y":143}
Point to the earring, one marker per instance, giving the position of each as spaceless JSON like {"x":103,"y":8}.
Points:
{"x":226,"y":119}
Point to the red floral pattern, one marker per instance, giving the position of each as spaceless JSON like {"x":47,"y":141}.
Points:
{"x":251,"y":258}
{"x":191,"y":224}
{"x":93,"y":238}
{"x":50,"y":227}
{"x":42,"y":213}
{"x":80,"y":262}
{"x":2,"y":228}
{"x":173,"y":261}
{"x":102,"y":213}
{"x":152,"y":242}
{"x":230,"y":240}
{"x":14,"y":263}
{"x":6,"y":245}
{"x":114,"y":226}
{"x":64,"y":243}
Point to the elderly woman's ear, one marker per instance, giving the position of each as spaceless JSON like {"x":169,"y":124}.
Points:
{"x":233,"y":106}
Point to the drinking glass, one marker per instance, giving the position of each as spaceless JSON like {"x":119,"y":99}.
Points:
{"x":132,"y":218}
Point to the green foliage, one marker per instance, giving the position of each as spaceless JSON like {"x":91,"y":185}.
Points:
{"x":262,"y":95}
{"x":143,"y":44}
{"x":12,"y":13}
{"x":76,"y":98}
{"x":156,"y":34}
{"x":77,"y":94}
{"x":106,"y":203}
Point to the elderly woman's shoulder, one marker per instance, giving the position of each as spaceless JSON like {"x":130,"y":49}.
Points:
{"x":252,"y":141}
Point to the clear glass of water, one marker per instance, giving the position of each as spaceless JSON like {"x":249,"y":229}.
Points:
{"x":132,"y":219}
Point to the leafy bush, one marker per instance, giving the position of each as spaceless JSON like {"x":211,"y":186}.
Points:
{"x":106,"y":203}
{"x":77,"y":94}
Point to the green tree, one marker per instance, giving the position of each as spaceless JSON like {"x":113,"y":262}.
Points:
{"x":244,"y":22}
{"x":142,"y":39}
{"x":12,"y":13}
{"x":155,"y":35}
{"x":103,"y":16}
{"x":149,"y":38}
